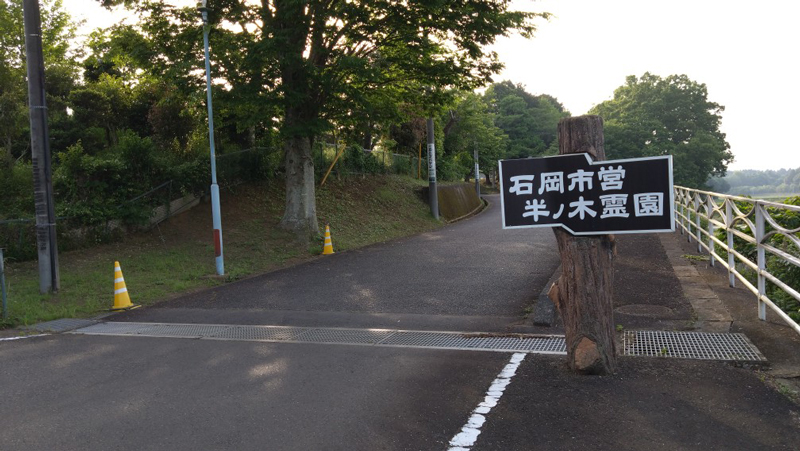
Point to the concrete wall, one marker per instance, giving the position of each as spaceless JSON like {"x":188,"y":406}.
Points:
{"x":176,"y":206}
{"x":456,"y":201}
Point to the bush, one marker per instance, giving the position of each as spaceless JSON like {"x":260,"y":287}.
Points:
{"x":360,"y":161}
{"x":775,"y":265}
{"x":16,"y":186}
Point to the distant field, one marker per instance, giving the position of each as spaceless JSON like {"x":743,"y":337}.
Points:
{"x":772,"y":197}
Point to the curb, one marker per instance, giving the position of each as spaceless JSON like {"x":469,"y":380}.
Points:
{"x":711,"y":313}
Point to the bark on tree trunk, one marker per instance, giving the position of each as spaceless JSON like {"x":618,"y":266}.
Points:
{"x":584,"y":291}
{"x":300,"y":215}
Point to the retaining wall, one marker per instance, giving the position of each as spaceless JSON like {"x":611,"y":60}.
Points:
{"x":456,"y":201}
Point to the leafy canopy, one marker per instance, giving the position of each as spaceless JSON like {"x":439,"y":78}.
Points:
{"x":530,"y":121}
{"x":651,"y":115}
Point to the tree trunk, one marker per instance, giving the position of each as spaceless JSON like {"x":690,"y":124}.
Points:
{"x":584,"y":291}
{"x":366,"y":142}
{"x":291,"y":26}
{"x":300,"y":215}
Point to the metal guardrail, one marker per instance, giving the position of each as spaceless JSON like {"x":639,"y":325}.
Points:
{"x":701,"y":214}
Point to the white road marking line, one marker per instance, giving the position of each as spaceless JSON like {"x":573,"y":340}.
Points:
{"x":22,"y":338}
{"x":469,"y":433}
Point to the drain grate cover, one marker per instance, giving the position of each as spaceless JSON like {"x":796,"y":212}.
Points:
{"x":684,"y":345}
{"x":690,"y":345}
{"x":450,"y":340}
{"x":181,"y":330}
{"x":113,"y":329}
{"x":258,"y":333}
{"x":346,"y":336}
{"x":376,"y":337}
{"x":62,"y":325}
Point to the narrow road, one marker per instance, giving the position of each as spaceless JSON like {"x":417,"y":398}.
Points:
{"x":107,"y":392}
{"x":471,"y":275}
{"x":155,"y":392}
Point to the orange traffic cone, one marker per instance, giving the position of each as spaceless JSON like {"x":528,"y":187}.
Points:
{"x":122,"y":301}
{"x":328,"y":248}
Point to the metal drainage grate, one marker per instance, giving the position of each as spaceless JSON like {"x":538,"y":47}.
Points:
{"x":61,"y":325}
{"x":376,"y":337}
{"x":690,"y":345}
{"x":182,"y":330}
{"x":685,"y":345}
{"x":450,"y":340}
{"x":257,"y":333}
{"x":345,"y":336}
{"x":113,"y":329}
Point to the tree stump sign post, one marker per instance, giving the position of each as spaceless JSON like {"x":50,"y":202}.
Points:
{"x":587,"y":200}
{"x":583,"y":293}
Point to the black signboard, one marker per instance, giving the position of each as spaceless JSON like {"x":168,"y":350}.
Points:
{"x":586,"y":197}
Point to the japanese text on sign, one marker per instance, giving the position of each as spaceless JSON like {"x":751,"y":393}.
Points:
{"x":621,"y":196}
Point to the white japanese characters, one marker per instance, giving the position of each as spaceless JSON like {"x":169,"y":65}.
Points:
{"x":552,"y":181}
{"x":649,"y":204}
{"x":610,"y":178}
{"x":614,"y":206}
{"x":586,"y":197}
{"x":522,"y":184}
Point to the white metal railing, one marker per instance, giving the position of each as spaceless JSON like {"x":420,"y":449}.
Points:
{"x":700,"y":214}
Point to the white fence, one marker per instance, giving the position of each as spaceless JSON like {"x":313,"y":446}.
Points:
{"x":750,"y":227}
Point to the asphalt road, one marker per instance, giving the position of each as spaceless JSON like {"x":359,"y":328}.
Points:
{"x":100,"y":392}
{"x":92,"y":392}
{"x":73,"y":392}
{"x":470,"y":275}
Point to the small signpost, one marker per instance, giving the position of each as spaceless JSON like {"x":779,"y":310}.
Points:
{"x":586,"y":200}
{"x":586,"y":197}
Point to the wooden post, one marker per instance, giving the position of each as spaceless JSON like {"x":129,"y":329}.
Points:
{"x":583,"y":293}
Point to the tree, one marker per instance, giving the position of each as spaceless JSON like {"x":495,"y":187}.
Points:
{"x":651,"y":116}
{"x":314,"y":60}
{"x":61,"y":70}
{"x":474,"y":129}
{"x":530,"y":121}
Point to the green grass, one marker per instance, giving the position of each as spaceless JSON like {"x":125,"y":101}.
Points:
{"x":177,"y":257}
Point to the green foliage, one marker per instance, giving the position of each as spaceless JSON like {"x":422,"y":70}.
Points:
{"x":775,"y":265}
{"x":317,"y":64}
{"x":651,"y":116}
{"x":94,"y":189}
{"x":357,"y":160}
{"x":473,"y":129}
{"x":17,"y":187}
{"x":61,"y":68}
{"x":530,"y":121}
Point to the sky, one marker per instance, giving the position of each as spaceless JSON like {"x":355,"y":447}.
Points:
{"x":743,"y":51}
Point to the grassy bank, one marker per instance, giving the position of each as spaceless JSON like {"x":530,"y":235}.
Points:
{"x":177,"y":256}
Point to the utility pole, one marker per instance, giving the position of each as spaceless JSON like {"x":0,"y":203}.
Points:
{"x":433,"y":194}
{"x":216,"y":212}
{"x":49,"y":279}
{"x":477,"y":172}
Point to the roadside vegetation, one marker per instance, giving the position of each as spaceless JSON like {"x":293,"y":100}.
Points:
{"x":348,"y":98}
{"x":177,"y":255}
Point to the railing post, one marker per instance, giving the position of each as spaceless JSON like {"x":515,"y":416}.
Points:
{"x":729,"y":230}
{"x":681,"y":201}
{"x":761,"y":261}
{"x":709,"y":214}
{"x":698,"y":235}
{"x":689,"y":220}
